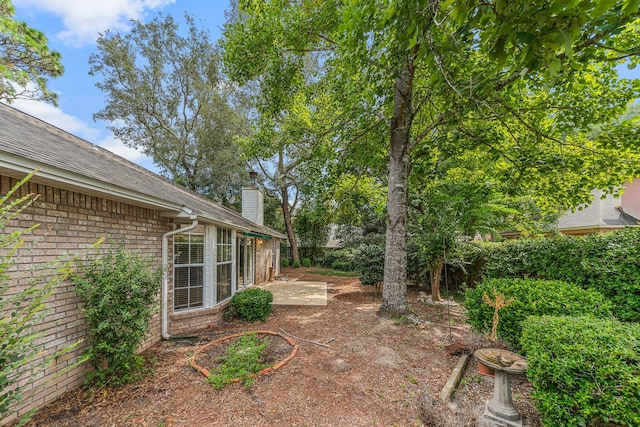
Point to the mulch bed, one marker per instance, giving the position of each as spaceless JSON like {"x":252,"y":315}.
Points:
{"x":376,"y":372}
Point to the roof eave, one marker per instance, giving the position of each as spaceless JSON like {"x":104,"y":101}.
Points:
{"x":73,"y":181}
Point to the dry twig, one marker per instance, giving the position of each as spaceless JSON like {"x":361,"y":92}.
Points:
{"x":309,"y":341}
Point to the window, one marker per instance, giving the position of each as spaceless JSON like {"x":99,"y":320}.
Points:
{"x":188,"y":266}
{"x":224,"y":268}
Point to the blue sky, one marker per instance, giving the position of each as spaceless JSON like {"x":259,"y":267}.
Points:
{"x":72,"y":27}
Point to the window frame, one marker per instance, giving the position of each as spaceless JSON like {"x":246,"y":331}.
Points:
{"x":225,"y":238}
{"x":190,"y":266}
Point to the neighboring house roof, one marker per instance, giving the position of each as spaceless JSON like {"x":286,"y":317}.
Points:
{"x":27,"y":143}
{"x":602,"y":214}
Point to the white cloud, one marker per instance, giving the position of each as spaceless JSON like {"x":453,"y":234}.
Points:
{"x":83,"y":19}
{"x":56,"y":117}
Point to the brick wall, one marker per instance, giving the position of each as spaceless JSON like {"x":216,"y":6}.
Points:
{"x":71,"y":222}
{"x":183,"y":323}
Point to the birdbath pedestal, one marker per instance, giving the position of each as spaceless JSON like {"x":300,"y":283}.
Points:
{"x":500,"y":411}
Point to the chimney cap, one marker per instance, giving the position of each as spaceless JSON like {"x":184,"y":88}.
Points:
{"x":253,"y":179}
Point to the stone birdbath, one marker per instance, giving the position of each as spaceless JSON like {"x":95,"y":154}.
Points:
{"x":500,"y":409}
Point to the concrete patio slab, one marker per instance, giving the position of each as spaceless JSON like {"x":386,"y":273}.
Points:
{"x":297,"y":292}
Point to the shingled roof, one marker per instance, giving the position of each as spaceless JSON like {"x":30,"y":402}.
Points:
{"x":27,"y":142}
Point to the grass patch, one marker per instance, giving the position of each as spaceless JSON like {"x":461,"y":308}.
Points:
{"x":242,"y":359}
{"x":331,"y":272}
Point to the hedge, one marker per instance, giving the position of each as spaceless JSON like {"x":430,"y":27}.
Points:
{"x":608,"y":263}
{"x":531,"y":298}
{"x":584,"y":371}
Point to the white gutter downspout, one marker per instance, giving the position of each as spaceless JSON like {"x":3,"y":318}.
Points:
{"x":165,"y":274}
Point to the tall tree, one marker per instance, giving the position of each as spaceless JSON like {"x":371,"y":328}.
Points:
{"x":289,"y":128}
{"x":166,"y":95}
{"x":430,"y":68}
{"x":25,"y":60}
{"x":450,"y":61}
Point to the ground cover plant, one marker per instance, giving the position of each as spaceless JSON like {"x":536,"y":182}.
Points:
{"x":585,"y":371}
{"x":242,"y":360}
{"x":530,"y":297}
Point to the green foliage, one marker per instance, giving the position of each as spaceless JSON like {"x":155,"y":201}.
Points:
{"x":119,"y":293}
{"x":306,"y":262}
{"x":369,"y":262}
{"x":531,"y":298}
{"x":608,"y":263}
{"x":312,"y":229}
{"x":584,"y":371}
{"x":22,"y":307}
{"x":242,"y":360}
{"x":252,"y":304}
{"x":513,"y":83}
{"x":295,"y":263}
{"x":340,"y":259}
{"x":165,"y":94}
{"x":25,"y":60}
{"x":285,"y":262}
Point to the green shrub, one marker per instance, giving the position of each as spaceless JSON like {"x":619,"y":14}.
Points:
{"x":296,"y":263}
{"x":242,"y":360}
{"x":252,"y":304}
{"x":119,"y":297}
{"x":285,"y":262}
{"x":369,"y":262}
{"x":306,"y":262}
{"x":340,"y":259}
{"x":584,"y":371}
{"x":531,"y":298}
{"x":608,"y":263}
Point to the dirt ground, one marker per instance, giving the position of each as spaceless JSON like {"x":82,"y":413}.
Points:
{"x":377,"y":372}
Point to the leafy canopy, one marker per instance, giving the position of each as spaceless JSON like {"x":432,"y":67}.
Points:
{"x":25,"y":60}
{"x":166,"y":95}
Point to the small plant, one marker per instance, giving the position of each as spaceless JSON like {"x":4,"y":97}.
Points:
{"x":285,"y":262}
{"x":119,"y":297}
{"x":252,"y":304}
{"x":498,"y":302}
{"x":242,"y":360}
{"x":306,"y":262}
{"x":296,"y":264}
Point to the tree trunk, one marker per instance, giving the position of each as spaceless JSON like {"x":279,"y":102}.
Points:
{"x":394,"y":293}
{"x":286,"y":215}
{"x":435,"y":274}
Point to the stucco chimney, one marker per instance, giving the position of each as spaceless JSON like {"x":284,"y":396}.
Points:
{"x":253,"y":201}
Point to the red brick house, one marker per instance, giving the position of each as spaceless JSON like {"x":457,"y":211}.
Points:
{"x":86,"y":193}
